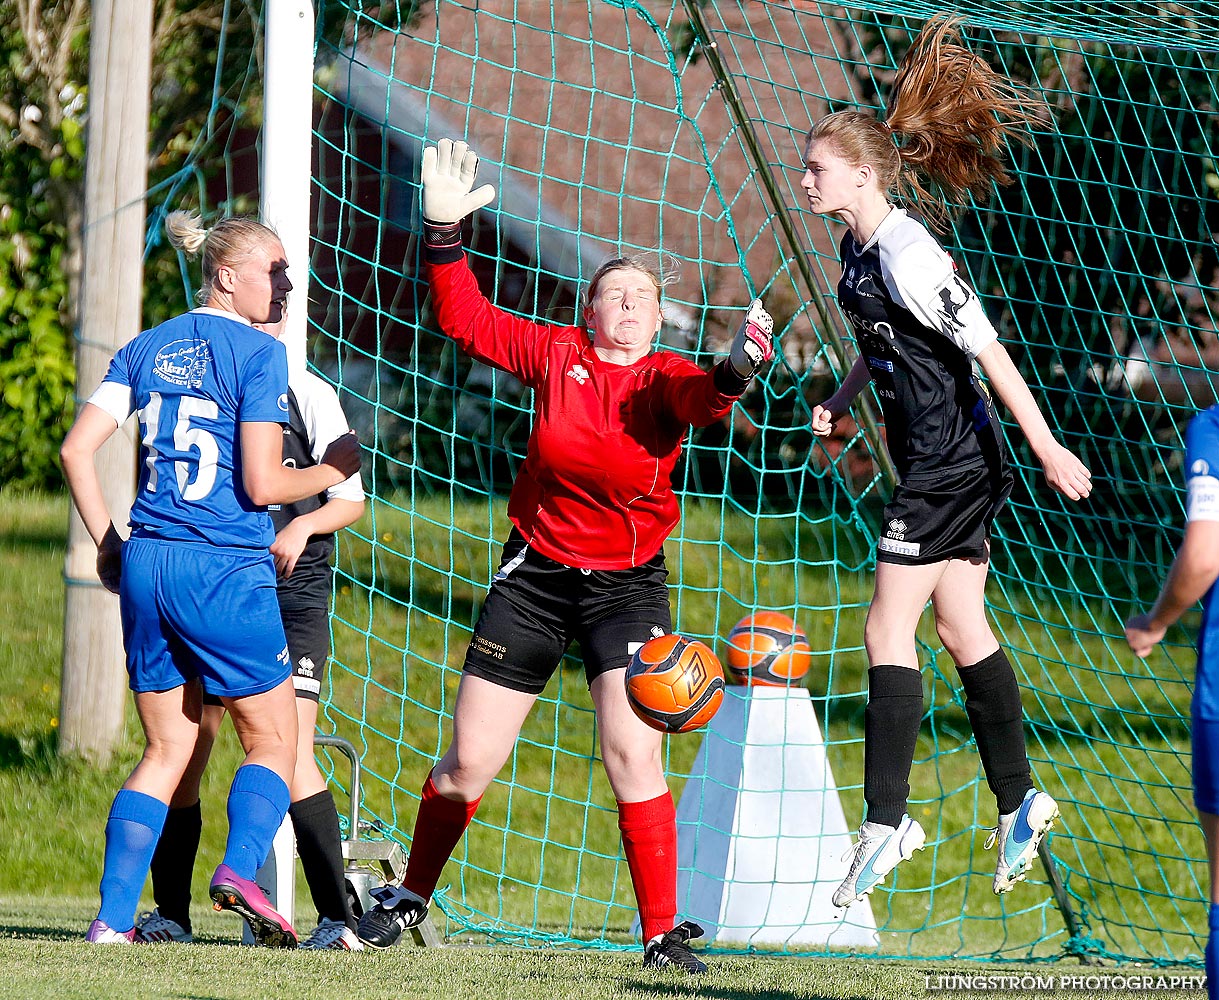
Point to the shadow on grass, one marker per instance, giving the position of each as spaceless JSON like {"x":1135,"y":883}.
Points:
{"x":35,"y":539}
{"x":24,"y":751}
{"x":30,"y":932}
{"x":699,"y":988}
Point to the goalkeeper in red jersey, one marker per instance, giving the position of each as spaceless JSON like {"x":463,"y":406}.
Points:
{"x":590,"y":509}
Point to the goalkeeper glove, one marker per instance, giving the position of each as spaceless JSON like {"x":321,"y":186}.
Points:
{"x":448,"y":176}
{"x":754,"y":342}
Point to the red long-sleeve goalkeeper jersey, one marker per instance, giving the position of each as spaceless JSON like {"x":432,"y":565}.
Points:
{"x":595,"y":491}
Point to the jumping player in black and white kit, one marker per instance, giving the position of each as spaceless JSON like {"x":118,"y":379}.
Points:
{"x":302,"y":549}
{"x":922,"y":335}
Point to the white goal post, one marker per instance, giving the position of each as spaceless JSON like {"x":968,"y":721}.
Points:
{"x":284,"y":179}
{"x":287,"y":138}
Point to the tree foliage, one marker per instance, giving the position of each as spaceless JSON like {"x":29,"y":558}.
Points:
{"x":205,"y":111}
{"x":42,"y":55}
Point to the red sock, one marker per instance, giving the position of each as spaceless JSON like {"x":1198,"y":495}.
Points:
{"x":438,"y":827}
{"x":649,"y":837}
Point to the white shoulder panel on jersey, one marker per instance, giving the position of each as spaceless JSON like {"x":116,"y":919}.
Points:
{"x":922,"y":277}
{"x":1202,"y":498}
{"x":116,"y":399}
{"x":324,"y":421}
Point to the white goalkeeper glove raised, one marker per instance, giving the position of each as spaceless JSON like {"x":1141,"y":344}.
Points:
{"x":754,"y":341}
{"x":448,"y":176}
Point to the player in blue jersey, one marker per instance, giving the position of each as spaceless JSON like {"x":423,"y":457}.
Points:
{"x":304,"y":542}
{"x":1192,"y":578}
{"x":196,"y":580}
{"x":921,"y":330}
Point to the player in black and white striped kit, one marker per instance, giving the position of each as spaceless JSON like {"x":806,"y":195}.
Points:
{"x":922,"y":336}
{"x":303,"y":546}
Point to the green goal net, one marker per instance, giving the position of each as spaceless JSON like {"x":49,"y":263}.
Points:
{"x":620,"y":126}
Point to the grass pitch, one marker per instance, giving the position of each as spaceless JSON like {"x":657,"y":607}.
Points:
{"x":52,"y":810}
{"x":42,"y":954}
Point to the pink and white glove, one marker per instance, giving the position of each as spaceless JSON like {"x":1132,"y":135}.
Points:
{"x":754,"y":341}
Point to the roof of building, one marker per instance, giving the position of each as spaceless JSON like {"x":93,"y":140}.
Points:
{"x":600,"y":139}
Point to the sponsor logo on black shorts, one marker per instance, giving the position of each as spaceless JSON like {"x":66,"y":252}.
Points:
{"x":899,"y":548}
{"x":488,"y":648}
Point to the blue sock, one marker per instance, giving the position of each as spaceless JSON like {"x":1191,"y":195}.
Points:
{"x":258,"y":801}
{"x":1212,"y":954}
{"x":132,"y":831}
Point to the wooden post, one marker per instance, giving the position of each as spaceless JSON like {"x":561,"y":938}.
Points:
{"x":94,"y":685}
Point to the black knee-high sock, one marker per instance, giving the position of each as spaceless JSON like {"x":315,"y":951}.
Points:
{"x":891,"y":722}
{"x":992,"y":702}
{"x":316,"y":822}
{"x":173,"y":864}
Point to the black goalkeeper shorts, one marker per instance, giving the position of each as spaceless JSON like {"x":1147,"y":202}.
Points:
{"x":536,"y":608}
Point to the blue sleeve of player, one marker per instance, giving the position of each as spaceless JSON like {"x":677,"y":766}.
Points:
{"x":119,"y":369}
{"x":1202,"y":467}
{"x":1202,"y":445}
{"x":264,"y":385}
{"x":116,"y":393}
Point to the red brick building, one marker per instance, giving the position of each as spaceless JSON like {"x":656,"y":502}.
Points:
{"x":604,"y":133}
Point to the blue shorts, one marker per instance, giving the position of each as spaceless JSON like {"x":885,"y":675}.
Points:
{"x":1206,"y":765}
{"x":308,"y":632}
{"x":201,"y":611}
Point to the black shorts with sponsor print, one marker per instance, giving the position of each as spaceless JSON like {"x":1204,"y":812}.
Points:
{"x":949,"y":519}
{"x":537,"y":607}
{"x":308,"y":633}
